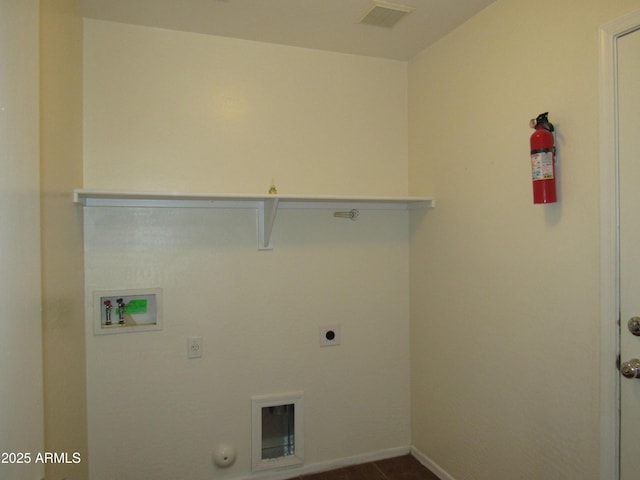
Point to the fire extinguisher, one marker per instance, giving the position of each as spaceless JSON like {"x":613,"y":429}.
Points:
{"x":543,"y":160}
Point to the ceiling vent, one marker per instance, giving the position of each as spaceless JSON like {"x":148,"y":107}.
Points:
{"x":385,"y":14}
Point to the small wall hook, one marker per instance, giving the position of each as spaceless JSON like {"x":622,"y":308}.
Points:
{"x":352,"y":214}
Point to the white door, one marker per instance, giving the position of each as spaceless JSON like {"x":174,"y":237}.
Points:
{"x":628,"y":51}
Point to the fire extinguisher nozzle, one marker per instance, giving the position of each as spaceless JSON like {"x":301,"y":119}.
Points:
{"x":543,"y":121}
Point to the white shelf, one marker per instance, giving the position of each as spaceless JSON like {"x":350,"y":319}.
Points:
{"x":266,"y":205}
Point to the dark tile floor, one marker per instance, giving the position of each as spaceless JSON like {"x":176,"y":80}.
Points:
{"x":397,"y":468}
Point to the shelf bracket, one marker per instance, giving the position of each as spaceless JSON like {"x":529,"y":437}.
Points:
{"x":267,"y":211}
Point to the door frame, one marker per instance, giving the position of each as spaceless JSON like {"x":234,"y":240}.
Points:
{"x":609,"y":237}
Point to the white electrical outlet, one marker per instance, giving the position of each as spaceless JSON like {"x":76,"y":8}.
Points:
{"x":330,"y":335}
{"x":194,"y":347}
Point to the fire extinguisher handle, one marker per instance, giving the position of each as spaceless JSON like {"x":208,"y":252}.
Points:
{"x":542,"y":121}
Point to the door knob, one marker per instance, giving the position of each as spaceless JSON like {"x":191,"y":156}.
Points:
{"x":631,"y":369}
{"x":634,"y":326}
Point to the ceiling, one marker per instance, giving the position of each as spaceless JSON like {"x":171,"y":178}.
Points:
{"x":331,"y":25}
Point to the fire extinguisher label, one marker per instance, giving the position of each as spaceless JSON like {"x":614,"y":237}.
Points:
{"x":542,"y":166}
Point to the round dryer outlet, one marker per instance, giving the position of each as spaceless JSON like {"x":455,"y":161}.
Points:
{"x":329,"y":335}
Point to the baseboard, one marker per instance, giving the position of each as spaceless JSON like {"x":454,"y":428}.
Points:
{"x":430,"y":464}
{"x":329,"y":465}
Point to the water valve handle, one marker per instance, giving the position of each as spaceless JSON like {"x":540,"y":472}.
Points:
{"x":107,"y":311}
{"x":121,"y":307}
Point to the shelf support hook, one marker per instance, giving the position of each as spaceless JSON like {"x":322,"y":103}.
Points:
{"x":267,"y":211}
{"x":351,"y":214}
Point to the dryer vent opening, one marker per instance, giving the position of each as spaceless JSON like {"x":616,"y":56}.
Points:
{"x":277,"y":431}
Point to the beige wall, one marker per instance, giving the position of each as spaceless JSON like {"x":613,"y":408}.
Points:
{"x":504,"y":294}
{"x":21,"y":421}
{"x":176,"y":111}
{"x":62,"y":247}
{"x":195,"y":113}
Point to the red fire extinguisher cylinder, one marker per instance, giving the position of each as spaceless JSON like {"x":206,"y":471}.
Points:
{"x":543,"y":161}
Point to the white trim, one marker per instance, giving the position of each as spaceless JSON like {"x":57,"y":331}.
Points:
{"x":430,"y":464}
{"x":609,"y":288}
{"x":328,"y":465}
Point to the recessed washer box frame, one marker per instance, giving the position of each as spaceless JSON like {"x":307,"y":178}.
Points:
{"x":142,"y":313}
